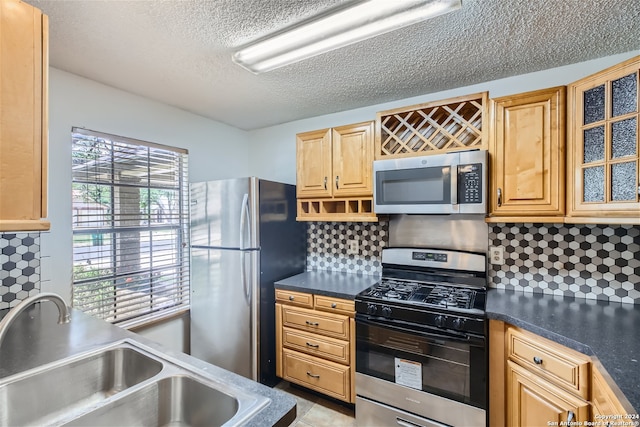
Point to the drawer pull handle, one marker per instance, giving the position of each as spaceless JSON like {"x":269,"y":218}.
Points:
{"x":312,"y":323}
{"x":313,"y":345}
{"x":570,"y":416}
{"x":537,"y":360}
{"x":291,"y":298}
{"x":334,"y":305}
{"x":312,"y":375}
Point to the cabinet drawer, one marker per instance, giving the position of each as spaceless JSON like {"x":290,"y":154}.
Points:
{"x":316,"y":345}
{"x":559,"y":365}
{"x":294,"y":298}
{"x":333,"y":325}
{"x":326,"y":377}
{"x":334,"y":305}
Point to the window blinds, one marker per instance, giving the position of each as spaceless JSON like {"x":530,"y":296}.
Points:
{"x":130,"y":228}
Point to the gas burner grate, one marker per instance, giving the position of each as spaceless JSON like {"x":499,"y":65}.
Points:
{"x":450,"y":297}
{"x":393,"y":289}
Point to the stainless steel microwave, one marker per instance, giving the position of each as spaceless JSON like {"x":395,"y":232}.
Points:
{"x":452,"y":183}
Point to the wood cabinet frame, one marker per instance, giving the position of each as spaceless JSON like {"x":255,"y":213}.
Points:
{"x":527,"y":151}
{"x":334,"y":170}
{"x":330,"y":335}
{"x":24,"y":68}
{"x":594,"y":212}
{"x":591,"y":390}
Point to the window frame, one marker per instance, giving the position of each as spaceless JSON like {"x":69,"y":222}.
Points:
{"x":129,"y":297}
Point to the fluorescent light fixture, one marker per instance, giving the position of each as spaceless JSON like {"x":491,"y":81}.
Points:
{"x":359,"y":22}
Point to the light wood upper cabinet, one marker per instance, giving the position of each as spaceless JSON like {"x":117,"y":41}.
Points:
{"x":353,"y":160}
{"x":23,"y":117}
{"x":334,"y":174}
{"x":527,"y":148}
{"x":443,"y":126}
{"x":314,"y":164}
{"x":603,"y":149}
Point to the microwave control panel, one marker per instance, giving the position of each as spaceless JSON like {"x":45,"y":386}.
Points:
{"x":470,"y":183}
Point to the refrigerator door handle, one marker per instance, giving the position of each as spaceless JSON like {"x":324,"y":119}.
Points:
{"x":243,"y":277}
{"x":244,"y":216}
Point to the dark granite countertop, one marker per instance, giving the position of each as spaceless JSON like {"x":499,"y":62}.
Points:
{"x":35,"y":339}
{"x":608,"y":332}
{"x":328,"y":283}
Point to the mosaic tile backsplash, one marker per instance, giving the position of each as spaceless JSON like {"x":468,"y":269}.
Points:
{"x":328,"y":244}
{"x":19,"y":267}
{"x":585,"y":261}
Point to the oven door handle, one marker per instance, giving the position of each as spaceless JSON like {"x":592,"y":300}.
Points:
{"x":406,"y":423}
{"x":461,"y":337}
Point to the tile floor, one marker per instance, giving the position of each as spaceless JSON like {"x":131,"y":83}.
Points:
{"x":314,"y":411}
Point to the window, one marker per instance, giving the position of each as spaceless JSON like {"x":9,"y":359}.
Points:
{"x":130,"y":228}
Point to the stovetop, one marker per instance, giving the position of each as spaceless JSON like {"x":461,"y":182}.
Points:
{"x":427,"y":288}
{"x":424,"y":304}
{"x":409,"y":292}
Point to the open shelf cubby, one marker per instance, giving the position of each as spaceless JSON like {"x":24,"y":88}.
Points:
{"x":346,"y":209}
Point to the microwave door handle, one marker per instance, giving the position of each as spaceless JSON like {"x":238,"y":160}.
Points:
{"x":454,"y":184}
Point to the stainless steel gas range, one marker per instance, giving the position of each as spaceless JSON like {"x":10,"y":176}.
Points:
{"x":421,"y":356}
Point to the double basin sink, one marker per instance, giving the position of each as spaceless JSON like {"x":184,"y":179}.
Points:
{"x":123,"y":384}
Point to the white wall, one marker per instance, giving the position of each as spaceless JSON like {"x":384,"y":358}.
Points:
{"x":215,"y":151}
{"x":273,"y":149}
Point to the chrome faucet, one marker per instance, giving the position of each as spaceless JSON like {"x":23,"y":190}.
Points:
{"x":63,"y":311}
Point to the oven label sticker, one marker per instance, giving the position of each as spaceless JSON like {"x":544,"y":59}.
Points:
{"x":408,"y":373}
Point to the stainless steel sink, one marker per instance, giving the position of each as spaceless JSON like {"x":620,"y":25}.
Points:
{"x":51,"y":393}
{"x":173,"y":401}
{"x":124,"y":384}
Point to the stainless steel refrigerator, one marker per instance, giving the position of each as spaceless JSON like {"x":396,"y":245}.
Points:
{"x":244,"y":237}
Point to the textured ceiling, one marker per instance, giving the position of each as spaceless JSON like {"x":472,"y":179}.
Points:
{"x":179,"y":51}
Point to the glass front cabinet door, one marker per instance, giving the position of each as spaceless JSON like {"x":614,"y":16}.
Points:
{"x":603,"y":144}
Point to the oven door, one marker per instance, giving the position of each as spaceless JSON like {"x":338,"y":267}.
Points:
{"x":443,"y":363}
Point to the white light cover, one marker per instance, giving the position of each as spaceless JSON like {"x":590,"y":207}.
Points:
{"x":347,"y":26}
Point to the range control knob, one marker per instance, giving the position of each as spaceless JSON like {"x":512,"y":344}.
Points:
{"x":372,"y":308}
{"x":386,"y":311}
{"x":440,"y":321}
{"x":458,"y":323}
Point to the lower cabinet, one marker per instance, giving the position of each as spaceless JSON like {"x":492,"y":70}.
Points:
{"x":536,"y":382}
{"x":315,"y":343}
{"x":532,"y":401}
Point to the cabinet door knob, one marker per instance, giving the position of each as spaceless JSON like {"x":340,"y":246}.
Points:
{"x":291,"y":298}
{"x":537,"y":360}
{"x":499,"y":197}
{"x":334,"y":305}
